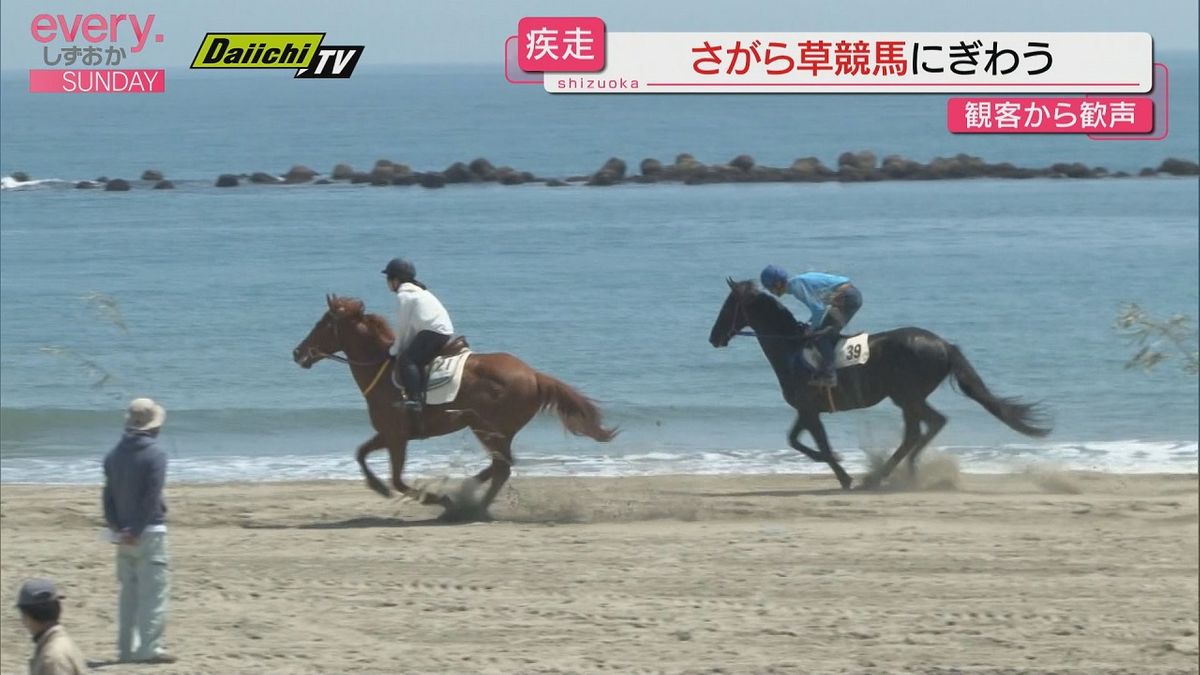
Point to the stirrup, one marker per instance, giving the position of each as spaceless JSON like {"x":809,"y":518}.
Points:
{"x":825,"y":381}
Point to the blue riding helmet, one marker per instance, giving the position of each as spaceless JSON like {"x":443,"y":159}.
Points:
{"x":772,"y":275}
{"x":398,"y":268}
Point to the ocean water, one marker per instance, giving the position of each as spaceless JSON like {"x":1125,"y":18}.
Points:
{"x":197,"y":296}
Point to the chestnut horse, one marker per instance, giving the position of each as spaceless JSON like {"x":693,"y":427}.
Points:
{"x":498,"y":396}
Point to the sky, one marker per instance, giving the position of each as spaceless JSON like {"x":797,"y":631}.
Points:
{"x":462,"y":32}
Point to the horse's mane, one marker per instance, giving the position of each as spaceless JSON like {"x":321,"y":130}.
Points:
{"x":377,"y":326}
{"x":767,"y":306}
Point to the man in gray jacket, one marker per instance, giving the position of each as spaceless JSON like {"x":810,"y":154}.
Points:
{"x":134,"y":474}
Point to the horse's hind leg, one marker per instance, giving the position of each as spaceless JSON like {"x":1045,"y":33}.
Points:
{"x":934,"y":421}
{"x":488,"y":438}
{"x":485,"y":475}
{"x":500,"y":448}
{"x":912,"y":432}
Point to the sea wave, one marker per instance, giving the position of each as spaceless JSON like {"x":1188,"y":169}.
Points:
{"x":1131,"y":456}
{"x":10,"y":183}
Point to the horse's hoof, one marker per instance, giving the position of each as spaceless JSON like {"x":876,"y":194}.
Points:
{"x":452,"y":515}
{"x":465,"y":516}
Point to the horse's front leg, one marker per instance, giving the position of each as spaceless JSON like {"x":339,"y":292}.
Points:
{"x":814,"y":426}
{"x":794,"y":440}
{"x":398,"y":451}
{"x":371,"y":445}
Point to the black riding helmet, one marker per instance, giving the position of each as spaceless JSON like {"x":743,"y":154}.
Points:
{"x":398,"y":268}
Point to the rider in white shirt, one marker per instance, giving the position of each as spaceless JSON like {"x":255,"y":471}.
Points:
{"x":423,"y":328}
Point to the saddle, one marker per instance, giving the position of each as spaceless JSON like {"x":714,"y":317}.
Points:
{"x":849,"y":350}
{"x":448,"y":367}
{"x":457,"y":344}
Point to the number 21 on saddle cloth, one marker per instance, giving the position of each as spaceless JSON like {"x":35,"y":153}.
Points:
{"x":443,"y":375}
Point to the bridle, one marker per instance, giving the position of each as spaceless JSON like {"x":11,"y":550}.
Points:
{"x":733,"y":319}
{"x":314,"y":352}
{"x":382,"y":363}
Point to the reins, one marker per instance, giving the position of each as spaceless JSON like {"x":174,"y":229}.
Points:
{"x":752,"y":334}
{"x":383,"y":363}
{"x":747,"y":333}
{"x":799,"y":338}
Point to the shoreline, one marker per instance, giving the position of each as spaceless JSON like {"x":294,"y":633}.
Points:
{"x":1031,"y":472}
{"x":1022,"y":573}
{"x":450,"y":461}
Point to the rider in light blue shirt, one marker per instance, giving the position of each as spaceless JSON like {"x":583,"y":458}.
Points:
{"x":833,"y":301}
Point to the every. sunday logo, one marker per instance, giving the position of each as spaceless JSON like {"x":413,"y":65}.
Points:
{"x":82,"y":52}
{"x":301,"y":52}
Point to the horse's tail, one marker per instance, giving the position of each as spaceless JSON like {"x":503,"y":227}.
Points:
{"x":1027,"y":418}
{"x":578,"y":413}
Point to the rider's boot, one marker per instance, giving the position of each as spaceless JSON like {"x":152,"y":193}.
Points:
{"x":410,"y":377}
{"x":827,"y":375}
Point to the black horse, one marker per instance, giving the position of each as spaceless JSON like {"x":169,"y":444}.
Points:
{"x":905,"y":365}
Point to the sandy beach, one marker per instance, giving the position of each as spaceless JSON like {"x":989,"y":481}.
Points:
{"x":1025,"y":573}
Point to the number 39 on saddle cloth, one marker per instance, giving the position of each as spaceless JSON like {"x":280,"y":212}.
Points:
{"x":852,"y":350}
{"x":443,"y":375}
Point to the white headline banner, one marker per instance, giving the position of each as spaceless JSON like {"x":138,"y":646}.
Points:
{"x":867,"y":62}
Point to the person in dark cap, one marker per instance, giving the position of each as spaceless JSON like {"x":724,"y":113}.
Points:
{"x":55,"y":653}
{"x":134,"y":474}
{"x":423,"y":330}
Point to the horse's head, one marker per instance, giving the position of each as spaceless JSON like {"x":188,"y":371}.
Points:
{"x":344,"y":315}
{"x":733,"y":316}
{"x":747,"y":305}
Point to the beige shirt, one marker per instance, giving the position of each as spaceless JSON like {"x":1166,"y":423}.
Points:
{"x":56,"y":654}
